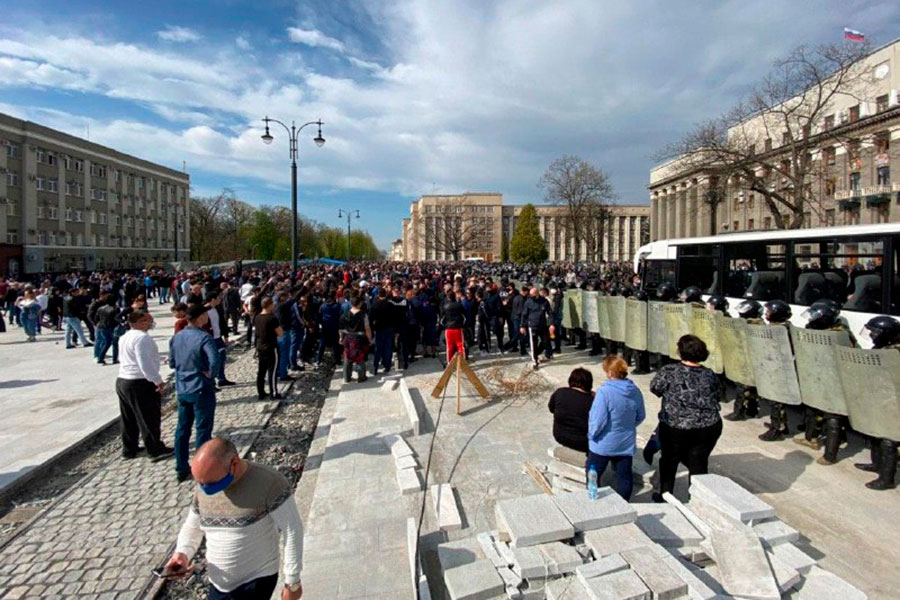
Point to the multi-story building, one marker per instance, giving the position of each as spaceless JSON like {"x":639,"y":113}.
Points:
{"x":478,"y":225}
{"x":68,"y":203}
{"x":856,"y":147}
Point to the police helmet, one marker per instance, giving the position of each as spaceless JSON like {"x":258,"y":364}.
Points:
{"x":749,"y":309}
{"x":717,"y":303}
{"x":625,"y":291}
{"x":821,"y":316}
{"x":777,"y":311}
{"x":827,"y":302}
{"x":665,"y":292}
{"x":691,"y":294}
{"x":884,"y":330}
{"x":642,"y":295}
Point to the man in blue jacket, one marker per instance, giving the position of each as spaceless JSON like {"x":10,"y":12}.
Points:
{"x":194,"y":357}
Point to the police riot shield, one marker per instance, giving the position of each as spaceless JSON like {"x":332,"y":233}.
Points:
{"x":657,"y":332}
{"x":616,"y":305}
{"x":636,"y":324}
{"x":871,"y":381}
{"x":568,"y":302}
{"x":773,"y":363}
{"x":603,"y":316}
{"x":678,"y":323}
{"x":592,"y":325}
{"x":815,"y":354}
{"x":577,"y":310}
{"x":705,"y":326}
{"x":735,"y":354}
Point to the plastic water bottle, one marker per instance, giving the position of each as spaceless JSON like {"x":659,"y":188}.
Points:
{"x":593,"y":491}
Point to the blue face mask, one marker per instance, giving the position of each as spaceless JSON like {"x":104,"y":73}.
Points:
{"x":217,"y":486}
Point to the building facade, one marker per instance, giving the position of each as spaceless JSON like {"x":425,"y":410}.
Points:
{"x":68,"y":203}
{"x":856,"y":150}
{"x":479,"y":225}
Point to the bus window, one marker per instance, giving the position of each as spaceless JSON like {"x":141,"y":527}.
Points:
{"x":698,"y":265}
{"x":655,"y":272}
{"x":895,"y":288}
{"x":848,"y":272}
{"x":755,"y":270}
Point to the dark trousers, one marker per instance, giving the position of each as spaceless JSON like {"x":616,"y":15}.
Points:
{"x":497,"y":328}
{"x":223,"y":356}
{"x":384,"y":348}
{"x":330,"y":339}
{"x":140,"y":409}
{"x":622,"y":467}
{"x":690,"y":447}
{"x":261,"y":587}
{"x":265,"y":371}
{"x":199,"y":409}
{"x":411,"y":341}
{"x":538,"y":340}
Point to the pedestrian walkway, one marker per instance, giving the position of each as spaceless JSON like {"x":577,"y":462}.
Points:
{"x":102,"y":539}
{"x":53,"y":399}
{"x":355,"y":544}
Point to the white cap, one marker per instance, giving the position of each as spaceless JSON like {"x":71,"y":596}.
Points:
{"x":363,"y":283}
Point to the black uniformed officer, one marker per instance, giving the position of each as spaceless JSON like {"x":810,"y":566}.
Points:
{"x":778,"y":314}
{"x":746,"y":404}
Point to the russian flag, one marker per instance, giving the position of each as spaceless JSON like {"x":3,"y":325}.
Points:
{"x":853,"y":35}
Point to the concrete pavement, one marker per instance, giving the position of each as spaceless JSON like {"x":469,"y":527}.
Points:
{"x":52,"y":399}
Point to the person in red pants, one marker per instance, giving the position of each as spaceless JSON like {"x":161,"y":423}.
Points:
{"x":454,"y":316}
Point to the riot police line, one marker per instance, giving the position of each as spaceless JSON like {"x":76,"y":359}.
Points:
{"x":819,"y":368}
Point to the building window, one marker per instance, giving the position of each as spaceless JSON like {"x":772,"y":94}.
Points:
{"x":768,"y":144}
{"x":855,"y":181}
{"x":830,"y":186}
{"x":767,"y":222}
{"x":829,"y":122}
{"x":79,"y":216}
{"x":883,"y":142}
{"x":12,"y":179}
{"x":881,"y":103}
{"x":12,"y":237}
{"x":98,"y":171}
{"x":13,"y":150}
{"x":829,"y":217}
{"x":103,"y":218}
{"x":830,"y":155}
{"x":52,"y":212}
{"x":46,"y":157}
{"x":73,"y":189}
{"x":46,"y":185}
{"x":751,"y":224}
{"x":74,"y":164}
{"x":750,"y":201}
{"x":854,"y":113}
{"x":736,"y":226}
{"x":785,"y":138}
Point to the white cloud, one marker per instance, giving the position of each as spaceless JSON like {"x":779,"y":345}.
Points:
{"x":243,"y":43}
{"x":315,"y":39}
{"x":175,"y":33}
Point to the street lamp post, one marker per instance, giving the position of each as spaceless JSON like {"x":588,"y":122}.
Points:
{"x":293,"y":131}
{"x":343,"y":212}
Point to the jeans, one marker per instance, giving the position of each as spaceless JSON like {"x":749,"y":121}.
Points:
{"x":284,"y":353}
{"x":622,"y":467}
{"x":297,"y":336}
{"x":261,"y":587}
{"x":223,"y":354}
{"x":330,"y":339}
{"x":104,"y":343}
{"x":199,"y":408}
{"x":73,"y":324}
{"x":163,"y":295}
{"x":384,"y":347}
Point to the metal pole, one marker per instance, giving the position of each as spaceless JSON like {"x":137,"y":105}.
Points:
{"x":294,"y":218}
{"x":176,"y":229}
{"x":348,"y":236}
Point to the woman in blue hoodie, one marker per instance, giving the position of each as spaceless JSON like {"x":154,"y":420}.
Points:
{"x":612,"y":426}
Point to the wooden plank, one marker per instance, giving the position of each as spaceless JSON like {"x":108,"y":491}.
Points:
{"x":539,"y":478}
{"x":445,"y":378}
{"x":473,"y":378}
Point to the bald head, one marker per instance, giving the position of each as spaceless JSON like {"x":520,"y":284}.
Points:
{"x":214,"y":460}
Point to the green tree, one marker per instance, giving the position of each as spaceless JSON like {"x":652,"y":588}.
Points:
{"x":333,"y":242}
{"x":527,"y":245}
{"x":264,"y":235}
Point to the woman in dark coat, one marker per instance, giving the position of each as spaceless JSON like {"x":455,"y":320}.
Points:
{"x":689,"y":422}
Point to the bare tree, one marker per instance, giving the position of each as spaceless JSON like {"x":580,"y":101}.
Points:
{"x":456,"y":229}
{"x":770,"y":143}
{"x":237,"y":216}
{"x":586,"y":193}
{"x":204,"y":224}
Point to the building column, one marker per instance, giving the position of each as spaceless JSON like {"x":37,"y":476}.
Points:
{"x":628,"y":223}
{"x":654,"y":216}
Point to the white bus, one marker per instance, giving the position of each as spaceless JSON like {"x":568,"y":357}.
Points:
{"x":857,"y":266}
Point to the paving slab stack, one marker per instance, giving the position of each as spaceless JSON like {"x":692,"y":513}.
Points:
{"x":726,"y":543}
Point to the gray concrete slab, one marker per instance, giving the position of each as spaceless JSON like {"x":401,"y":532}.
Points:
{"x":459,"y":552}
{"x":665,"y":525}
{"x":793,"y":557}
{"x":737,"y":501}
{"x":409,"y":481}
{"x":743,"y":568}
{"x":775,"y":532}
{"x":664,"y":584}
{"x":533,"y":520}
{"x":446,"y":512}
{"x":53,"y":399}
{"x":530,"y":563}
{"x":474,"y":581}
{"x":700,"y":585}
{"x":598,"y":568}
{"x":585,"y":514}
{"x":618,"y":539}
{"x":560,"y":558}
{"x":566,"y":588}
{"x":819,"y":584}
{"x":621,"y":585}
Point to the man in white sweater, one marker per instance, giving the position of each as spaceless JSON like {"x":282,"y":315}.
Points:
{"x":139,"y":387}
{"x":241,"y":507}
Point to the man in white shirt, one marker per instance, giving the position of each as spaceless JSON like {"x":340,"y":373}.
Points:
{"x":139,"y":387}
{"x":240,"y":507}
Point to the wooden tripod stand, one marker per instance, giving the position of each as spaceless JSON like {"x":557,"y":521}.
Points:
{"x":460,"y":367}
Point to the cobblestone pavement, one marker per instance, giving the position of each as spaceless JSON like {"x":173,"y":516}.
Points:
{"x":102,"y":539}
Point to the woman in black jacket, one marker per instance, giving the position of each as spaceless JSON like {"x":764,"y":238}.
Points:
{"x":571,"y":407}
{"x":689,"y":422}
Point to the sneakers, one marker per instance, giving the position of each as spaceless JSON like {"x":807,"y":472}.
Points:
{"x":100,"y":361}
{"x":226,"y":383}
{"x":182,"y":477}
{"x":162,"y":454}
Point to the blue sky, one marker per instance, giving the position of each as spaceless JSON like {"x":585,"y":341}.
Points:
{"x":417,"y":95}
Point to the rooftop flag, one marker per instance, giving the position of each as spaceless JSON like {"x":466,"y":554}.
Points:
{"x":853,"y":35}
